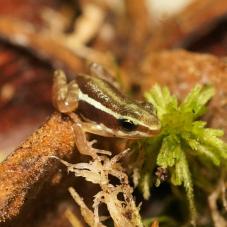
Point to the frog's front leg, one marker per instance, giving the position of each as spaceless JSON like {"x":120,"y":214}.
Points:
{"x":83,"y":145}
{"x":65,"y":95}
{"x":65,"y":99}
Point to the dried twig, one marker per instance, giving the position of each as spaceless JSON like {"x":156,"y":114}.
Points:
{"x":30,"y":165}
{"x":75,"y":222}
{"x":140,"y":21}
{"x":49,"y":49}
{"x":139,"y":30}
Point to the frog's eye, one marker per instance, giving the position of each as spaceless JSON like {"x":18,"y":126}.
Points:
{"x":126,"y":124}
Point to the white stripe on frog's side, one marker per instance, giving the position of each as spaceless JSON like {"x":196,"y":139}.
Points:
{"x":96,"y":104}
{"x":100,"y":106}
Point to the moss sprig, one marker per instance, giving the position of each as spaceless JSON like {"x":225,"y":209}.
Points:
{"x":182,"y":135}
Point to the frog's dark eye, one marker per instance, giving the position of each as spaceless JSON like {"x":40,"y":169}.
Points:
{"x":127,"y":124}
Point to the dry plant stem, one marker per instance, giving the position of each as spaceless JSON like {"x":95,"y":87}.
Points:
{"x":123,"y":211}
{"x":45,"y":47}
{"x":75,"y":222}
{"x":55,"y":48}
{"x":86,"y":26}
{"x":139,"y":18}
{"x":139,"y":29}
{"x":86,"y":213}
{"x":212,"y":200}
{"x":29,"y":165}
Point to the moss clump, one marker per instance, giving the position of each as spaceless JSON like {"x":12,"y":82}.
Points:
{"x":182,"y":135}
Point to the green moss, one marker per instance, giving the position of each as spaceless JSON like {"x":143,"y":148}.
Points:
{"x":181,"y":135}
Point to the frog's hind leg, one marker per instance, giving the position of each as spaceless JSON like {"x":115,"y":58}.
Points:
{"x":102,"y":73}
{"x":65,"y":95}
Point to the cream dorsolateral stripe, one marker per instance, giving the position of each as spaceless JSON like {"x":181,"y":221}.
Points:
{"x":98,"y":105}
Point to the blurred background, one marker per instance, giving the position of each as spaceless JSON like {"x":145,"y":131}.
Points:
{"x":142,"y":42}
